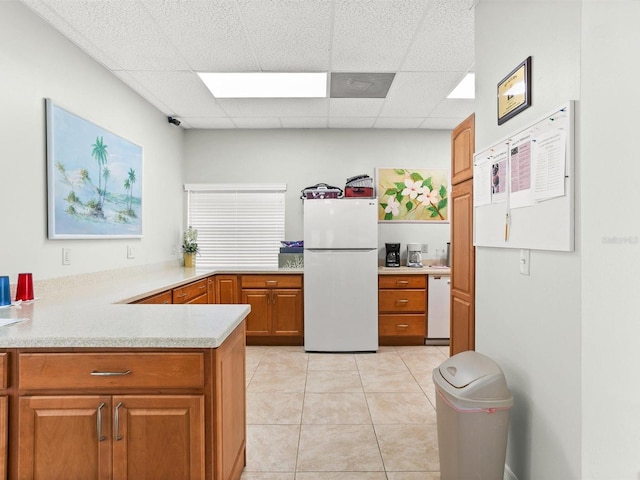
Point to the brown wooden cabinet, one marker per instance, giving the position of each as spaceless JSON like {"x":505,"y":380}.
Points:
{"x":127,"y":414}
{"x":4,"y":416}
{"x":195,"y":292}
{"x":402,"y":309}
{"x":226,"y":289}
{"x":158,"y":298}
{"x":462,"y":146}
{"x":59,"y":437}
{"x":462,"y":249}
{"x":276,"y":309}
{"x":120,"y":437}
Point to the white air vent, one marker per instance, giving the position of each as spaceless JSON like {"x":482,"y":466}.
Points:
{"x":360,"y":85}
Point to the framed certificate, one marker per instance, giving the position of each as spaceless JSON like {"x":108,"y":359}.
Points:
{"x":514,"y":92}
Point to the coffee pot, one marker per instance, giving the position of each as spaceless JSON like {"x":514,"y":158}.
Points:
{"x":414,"y":255}
{"x":392,"y":257}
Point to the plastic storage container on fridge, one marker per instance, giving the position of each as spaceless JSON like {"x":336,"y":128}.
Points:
{"x":359,"y":186}
{"x":320,"y":191}
{"x":473,"y":405}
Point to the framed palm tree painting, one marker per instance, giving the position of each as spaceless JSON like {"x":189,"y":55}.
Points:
{"x":94,"y":179}
{"x":412,"y":195}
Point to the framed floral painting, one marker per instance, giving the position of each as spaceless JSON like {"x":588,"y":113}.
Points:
{"x":412,"y":195}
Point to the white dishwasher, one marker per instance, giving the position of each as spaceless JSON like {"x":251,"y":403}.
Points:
{"x":438,"y":307}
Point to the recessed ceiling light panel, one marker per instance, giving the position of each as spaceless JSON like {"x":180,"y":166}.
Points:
{"x":466,"y":88}
{"x":265,"y":84}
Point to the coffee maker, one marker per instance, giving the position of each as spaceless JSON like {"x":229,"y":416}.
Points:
{"x":392,"y":257}
{"x":414,"y":255}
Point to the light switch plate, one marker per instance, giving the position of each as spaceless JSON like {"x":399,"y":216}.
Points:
{"x":66,"y":256}
{"x":131,"y":251}
{"x":525,"y":257}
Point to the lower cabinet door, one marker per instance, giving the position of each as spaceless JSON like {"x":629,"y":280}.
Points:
{"x":158,"y":437}
{"x":287,"y":312}
{"x":258,"y":319}
{"x":4,"y":436}
{"x":65,"y":437}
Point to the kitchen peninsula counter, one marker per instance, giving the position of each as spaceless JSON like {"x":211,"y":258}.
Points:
{"x":96,"y":313}
{"x":117,"y":380}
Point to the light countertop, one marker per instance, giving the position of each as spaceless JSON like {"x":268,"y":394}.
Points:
{"x":404,"y":270}
{"x":89,"y":315}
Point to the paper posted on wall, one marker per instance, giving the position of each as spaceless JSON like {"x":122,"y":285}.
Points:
{"x":549,"y":160}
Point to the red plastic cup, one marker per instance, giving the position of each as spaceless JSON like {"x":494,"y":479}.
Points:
{"x":24,"y":288}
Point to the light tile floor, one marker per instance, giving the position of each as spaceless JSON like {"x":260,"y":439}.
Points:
{"x":368,"y":416}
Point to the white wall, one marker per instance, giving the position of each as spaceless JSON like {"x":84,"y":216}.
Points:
{"x":37,"y":62}
{"x":611,"y":241}
{"x":301,"y":158}
{"x":531,"y":325}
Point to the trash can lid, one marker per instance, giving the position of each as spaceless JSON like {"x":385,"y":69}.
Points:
{"x":475,"y":377}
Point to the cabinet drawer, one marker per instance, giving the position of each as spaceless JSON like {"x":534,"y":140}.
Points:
{"x":188,"y":292}
{"x":398,"y":325}
{"x":163,"y":298}
{"x":3,"y":370}
{"x":271,"y":281}
{"x":402,"y":301}
{"x":402,"y":281}
{"x":70,"y":371}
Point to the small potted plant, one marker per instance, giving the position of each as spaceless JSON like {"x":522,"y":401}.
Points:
{"x":190,"y":246}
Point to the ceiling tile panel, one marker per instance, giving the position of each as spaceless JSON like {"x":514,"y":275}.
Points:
{"x":123,"y":30}
{"x":417,"y":94}
{"x":445,"y":41}
{"x":373,"y":35}
{"x":274,"y":107}
{"x":435,"y":123}
{"x":355,"y":107}
{"x":155,"y":99}
{"x":257,"y":122}
{"x":351,"y":122}
{"x":208,"y":33}
{"x":184,"y":93}
{"x":303,"y":122}
{"x":209,"y":122}
{"x":454,"y":108}
{"x":289,"y":35}
{"x":398,"y":122}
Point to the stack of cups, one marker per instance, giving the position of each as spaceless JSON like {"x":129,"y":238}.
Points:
{"x":5,"y":291}
{"x":24,"y":289}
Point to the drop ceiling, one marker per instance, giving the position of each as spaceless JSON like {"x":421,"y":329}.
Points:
{"x":156,"y":46}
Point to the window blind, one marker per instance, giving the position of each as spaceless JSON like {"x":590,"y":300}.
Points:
{"x":238,"y":225}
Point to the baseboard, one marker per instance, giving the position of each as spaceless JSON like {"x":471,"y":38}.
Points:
{"x":508,"y":474}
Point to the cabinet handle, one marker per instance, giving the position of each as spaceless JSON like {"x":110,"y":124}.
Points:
{"x":202,"y":286}
{"x":110,"y":374}
{"x":402,"y":301}
{"x":182,"y":295}
{"x":402,"y":282}
{"x":272,"y":282}
{"x":118,"y":437}
{"x":166,"y":302}
{"x":402,"y":325}
{"x":437,"y":277}
{"x":101,"y":438}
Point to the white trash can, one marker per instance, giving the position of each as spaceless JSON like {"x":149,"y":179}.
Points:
{"x":472,"y":404}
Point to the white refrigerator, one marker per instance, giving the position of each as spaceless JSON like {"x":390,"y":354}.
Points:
{"x":341,"y":275}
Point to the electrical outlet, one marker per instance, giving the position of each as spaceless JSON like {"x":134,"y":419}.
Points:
{"x":131,"y":251}
{"x":425,"y":248}
{"x":66,"y":256}
{"x":525,"y":256}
